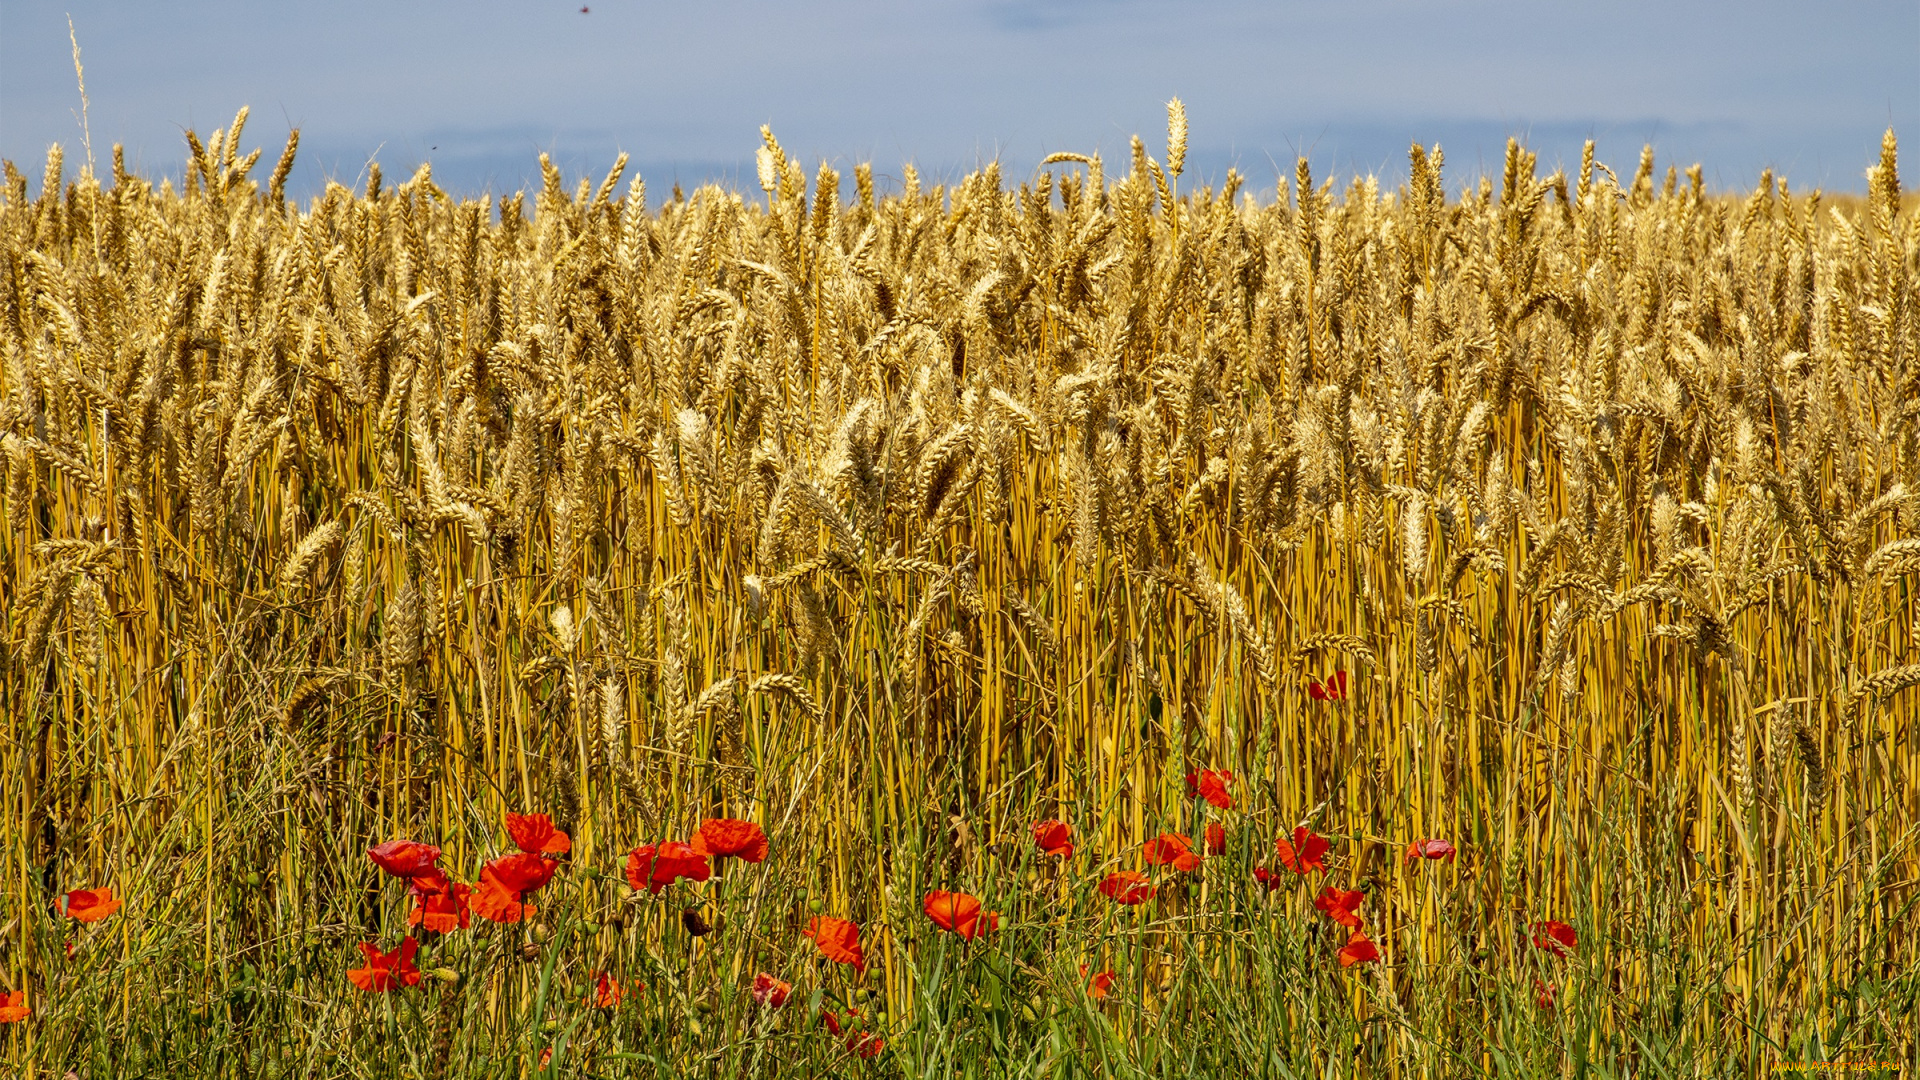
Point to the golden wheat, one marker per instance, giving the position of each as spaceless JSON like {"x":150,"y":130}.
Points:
{"x":1018,"y":502}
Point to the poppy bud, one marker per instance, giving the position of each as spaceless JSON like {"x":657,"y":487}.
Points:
{"x":693,"y":1028}
{"x":860,"y":995}
{"x":627,"y":894}
{"x":253,"y":879}
{"x":697,"y":926}
{"x":703,"y":1006}
{"x":447,"y":975}
{"x":800,"y":893}
{"x":816,"y":906}
{"x":541,"y":933}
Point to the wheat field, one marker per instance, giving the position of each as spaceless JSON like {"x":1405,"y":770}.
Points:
{"x":1572,"y":521}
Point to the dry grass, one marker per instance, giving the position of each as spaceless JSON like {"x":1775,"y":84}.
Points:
{"x":898,"y":524}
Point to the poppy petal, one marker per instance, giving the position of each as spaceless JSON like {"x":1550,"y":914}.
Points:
{"x":1211,"y":785}
{"x":1171,"y":849}
{"x":493,"y":901}
{"x":1359,"y":950}
{"x":769,"y":992}
{"x":1340,"y":906}
{"x":90,"y":905}
{"x":1555,"y":937}
{"x":731,"y":837}
{"x":1054,"y":837}
{"x":1429,"y":849}
{"x":1127,"y":887}
{"x":838,"y":940}
{"x":386,"y":971}
{"x":404,"y":858}
{"x":535,"y":834}
{"x":1305,"y":852}
{"x":443,"y":908}
{"x":522,"y":871}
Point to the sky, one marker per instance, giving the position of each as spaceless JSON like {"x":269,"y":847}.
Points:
{"x":480,"y":88}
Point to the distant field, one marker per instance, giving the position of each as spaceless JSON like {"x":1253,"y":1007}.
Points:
{"x":1359,"y":633}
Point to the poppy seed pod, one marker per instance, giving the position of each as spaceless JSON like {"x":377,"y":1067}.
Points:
{"x":695,"y":923}
{"x":529,"y":952}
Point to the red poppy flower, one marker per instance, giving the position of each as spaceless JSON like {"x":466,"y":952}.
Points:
{"x":959,"y":913}
{"x":90,"y":905}
{"x":1211,"y":785}
{"x":386,"y":971}
{"x":494,"y":901}
{"x":1306,"y":852}
{"x":1429,"y":849}
{"x":1171,"y":849}
{"x":838,"y":940}
{"x":1127,"y":887}
{"x":1543,"y":993}
{"x":522,"y":871}
{"x":730,"y":836}
{"x":1333,"y":689}
{"x":1339,"y":906}
{"x":1359,"y":950}
{"x":1271,"y":879}
{"x":607,"y":991}
{"x":859,"y":1040}
{"x":770,"y":992}
{"x":1216,"y":838}
{"x":1099,"y":984}
{"x":439,"y":903}
{"x":654,"y":867}
{"x":535,"y":835}
{"x":833,"y":1022}
{"x":13,"y":1007}
{"x":404,"y":858}
{"x":1054,"y":837}
{"x":546,"y":1055}
{"x":1556,"y":937}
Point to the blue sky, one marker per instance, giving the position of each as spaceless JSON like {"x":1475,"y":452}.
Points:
{"x":480,"y":87}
